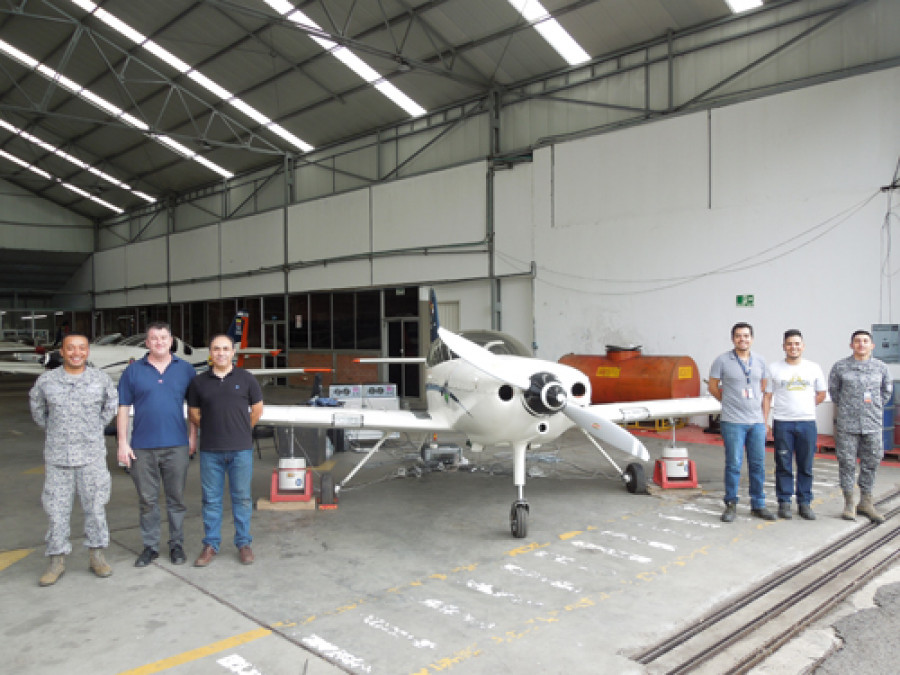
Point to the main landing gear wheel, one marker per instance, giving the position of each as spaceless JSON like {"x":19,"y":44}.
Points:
{"x":518,"y":519}
{"x":326,"y":489}
{"x":635,"y":480}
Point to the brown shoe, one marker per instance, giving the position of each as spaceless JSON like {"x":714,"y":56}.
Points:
{"x":206,"y":556}
{"x":246,"y":555}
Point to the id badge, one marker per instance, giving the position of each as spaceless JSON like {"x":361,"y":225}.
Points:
{"x":867,"y":397}
{"x":748,"y":392}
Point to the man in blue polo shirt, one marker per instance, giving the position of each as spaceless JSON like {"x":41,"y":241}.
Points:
{"x":161,"y":440}
{"x":738,"y":379}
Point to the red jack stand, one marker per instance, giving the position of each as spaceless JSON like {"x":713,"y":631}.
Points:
{"x":661,"y":479}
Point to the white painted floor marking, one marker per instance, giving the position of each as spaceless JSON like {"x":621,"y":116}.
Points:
{"x":698,"y":523}
{"x":397,"y":632}
{"x":488,"y":589}
{"x":452,"y":610}
{"x":615,"y":553}
{"x":697,"y":509}
{"x":637,"y":540}
{"x":556,"y":557}
{"x":522,"y":572}
{"x":323,"y":646}
{"x":676,"y":533}
{"x":238,"y":664}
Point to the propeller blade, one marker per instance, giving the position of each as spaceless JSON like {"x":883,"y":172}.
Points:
{"x":484,"y":360}
{"x":606,"y":431}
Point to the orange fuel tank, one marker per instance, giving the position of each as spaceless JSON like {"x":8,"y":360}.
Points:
{"x":628,"y":375}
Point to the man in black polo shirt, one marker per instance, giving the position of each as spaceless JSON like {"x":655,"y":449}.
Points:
{"x":225,"y":403}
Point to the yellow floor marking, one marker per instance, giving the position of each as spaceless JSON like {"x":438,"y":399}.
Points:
{"x":325,"y":466}
{"x":199,"y":653}
{"x":8,"y":558}
{"x":35,"y":470}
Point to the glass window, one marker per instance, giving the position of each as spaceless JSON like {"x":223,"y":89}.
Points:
{"x":401,"y":302}
{"x":342,"y":305}
{"x":320,"y":320}
{"x":298,"y":323}
{"x":368,"y":320}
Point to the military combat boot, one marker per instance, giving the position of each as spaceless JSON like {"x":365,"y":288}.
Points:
{"x":99,"y":566}
{"x":54,"y":572}
{"x":849,"y":512}
{"x":867,"y":508}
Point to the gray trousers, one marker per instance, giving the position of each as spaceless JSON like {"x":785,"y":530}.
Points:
{"x":92,"y":482}
{"x":168,"y":467}
{"x":868,"y":448}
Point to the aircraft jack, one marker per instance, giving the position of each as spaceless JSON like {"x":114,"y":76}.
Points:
{"x":675,"y":470}
{"x":276,"y":494}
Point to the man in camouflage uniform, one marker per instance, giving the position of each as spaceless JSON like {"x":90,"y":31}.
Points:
{"x":860,"y":387}
{"x":73,"y":403}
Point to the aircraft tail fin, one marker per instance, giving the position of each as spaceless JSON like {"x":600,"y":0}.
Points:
{"x":237,"y":331}
{"x":435,"y":320}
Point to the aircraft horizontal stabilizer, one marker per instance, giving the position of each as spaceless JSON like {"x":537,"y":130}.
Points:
{"x":276,"y":372}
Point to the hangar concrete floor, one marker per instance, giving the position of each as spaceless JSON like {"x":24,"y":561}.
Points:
{"x":408,"y":575}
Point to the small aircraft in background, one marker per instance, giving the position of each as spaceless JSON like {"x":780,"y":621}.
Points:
{"x":486,"y":386}
{"x":112,"y":354}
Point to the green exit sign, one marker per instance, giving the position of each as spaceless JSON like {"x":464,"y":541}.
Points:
{"x":744,"y":300}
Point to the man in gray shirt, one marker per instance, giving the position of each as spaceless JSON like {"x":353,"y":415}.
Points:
{"x":73,"y":403}
{"x":737,"y":378}
{"x":860,"y":387}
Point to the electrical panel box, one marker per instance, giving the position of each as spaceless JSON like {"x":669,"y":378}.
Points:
{"x":886,"y":337}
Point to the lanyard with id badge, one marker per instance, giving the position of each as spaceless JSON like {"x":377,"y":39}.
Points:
{"x":746,"y":392}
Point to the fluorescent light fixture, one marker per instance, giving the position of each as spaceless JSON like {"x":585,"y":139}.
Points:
{"x":32,"y":317}
{"x":53,"y":179}
{"x":551,"y":30}
{"x":348,"y":58}
{"x":218,"y":91}
{"x":31,"y":138}
{"x":102,"y":103}
{"x":738,"y":6}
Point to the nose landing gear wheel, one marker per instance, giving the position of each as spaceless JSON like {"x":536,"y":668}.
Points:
{"x":635,"y":480}
{"x":518,"y":519}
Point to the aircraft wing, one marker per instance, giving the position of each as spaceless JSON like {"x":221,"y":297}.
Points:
{"x":636,"y":411}
{"x":22,"y":367}
{"x":353,"y":418}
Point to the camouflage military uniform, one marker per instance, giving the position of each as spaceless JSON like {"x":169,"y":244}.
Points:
{"x":860,"y":391}
{"x":74,"y":409}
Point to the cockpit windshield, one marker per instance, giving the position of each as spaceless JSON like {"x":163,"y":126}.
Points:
{"x":494,"y":341}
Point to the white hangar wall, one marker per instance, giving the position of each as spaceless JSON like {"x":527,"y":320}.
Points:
{"x":647,"y":235}
{"x":33,"y":223}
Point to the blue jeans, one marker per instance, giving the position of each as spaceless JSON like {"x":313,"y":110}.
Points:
{"x":736,"y":437}
{"x":794,"y":439}
{"x":238,"y":467}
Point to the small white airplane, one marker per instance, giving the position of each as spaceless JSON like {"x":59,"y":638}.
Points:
{"x":486,"y":386}
{"x":113,"y":354}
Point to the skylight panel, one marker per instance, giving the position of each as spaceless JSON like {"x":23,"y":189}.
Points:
{"x":103,"y":104}
{"x":53,"y":179}
{"x":738,"y":6}
{"x":551,"y":30}
{"x":348,"y":58}
{"x":215,"y":89}
{"x":31,"y":138}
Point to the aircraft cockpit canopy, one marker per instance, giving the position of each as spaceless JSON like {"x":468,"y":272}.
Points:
{"x":494,"y":341}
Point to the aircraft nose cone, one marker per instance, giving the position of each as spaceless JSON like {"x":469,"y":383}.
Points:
{"x":546,"y":395}
{"x":554,"y":396}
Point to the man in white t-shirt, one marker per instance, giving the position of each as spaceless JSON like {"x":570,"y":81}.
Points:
{"x":794,"y":388}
